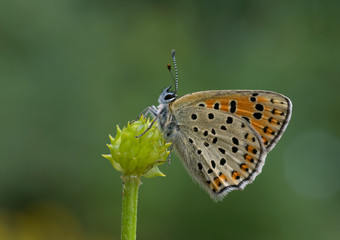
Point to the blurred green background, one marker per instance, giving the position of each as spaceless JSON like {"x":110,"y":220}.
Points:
{"x":70,"y":70}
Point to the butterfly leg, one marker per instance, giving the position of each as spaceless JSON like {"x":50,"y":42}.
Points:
{"x":152,"y":123}
{"x":152,"y":110}
{"x":169,"y":156}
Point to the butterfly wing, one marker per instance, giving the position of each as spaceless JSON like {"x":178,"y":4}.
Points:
{"x":267,"y":112}
{"x":220,"y":150}
{"x":224,"y":136}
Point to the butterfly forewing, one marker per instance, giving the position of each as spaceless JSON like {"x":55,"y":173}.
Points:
{"x":268,"y":113}
{"x":220,"y":150}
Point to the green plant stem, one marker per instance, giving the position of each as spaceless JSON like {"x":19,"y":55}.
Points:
{"x":129,"y":207}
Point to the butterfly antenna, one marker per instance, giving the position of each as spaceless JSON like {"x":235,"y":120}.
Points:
{"x":170,"y":70}
{"x":174,"y":60}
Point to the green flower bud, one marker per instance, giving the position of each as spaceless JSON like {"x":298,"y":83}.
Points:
{"x":138,"y":156}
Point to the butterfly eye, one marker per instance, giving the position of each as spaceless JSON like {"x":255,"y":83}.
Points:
{"x":169,"y":96}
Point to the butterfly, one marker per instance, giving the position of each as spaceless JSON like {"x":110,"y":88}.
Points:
{"x":222,"y":136}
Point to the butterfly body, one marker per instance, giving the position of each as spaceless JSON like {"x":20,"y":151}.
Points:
{"x":223,"y":136}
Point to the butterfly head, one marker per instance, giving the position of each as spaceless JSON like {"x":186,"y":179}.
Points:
{"x":167,"y":96}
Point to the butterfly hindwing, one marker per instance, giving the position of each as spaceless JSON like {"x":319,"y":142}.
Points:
{"x":219,"y":149}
